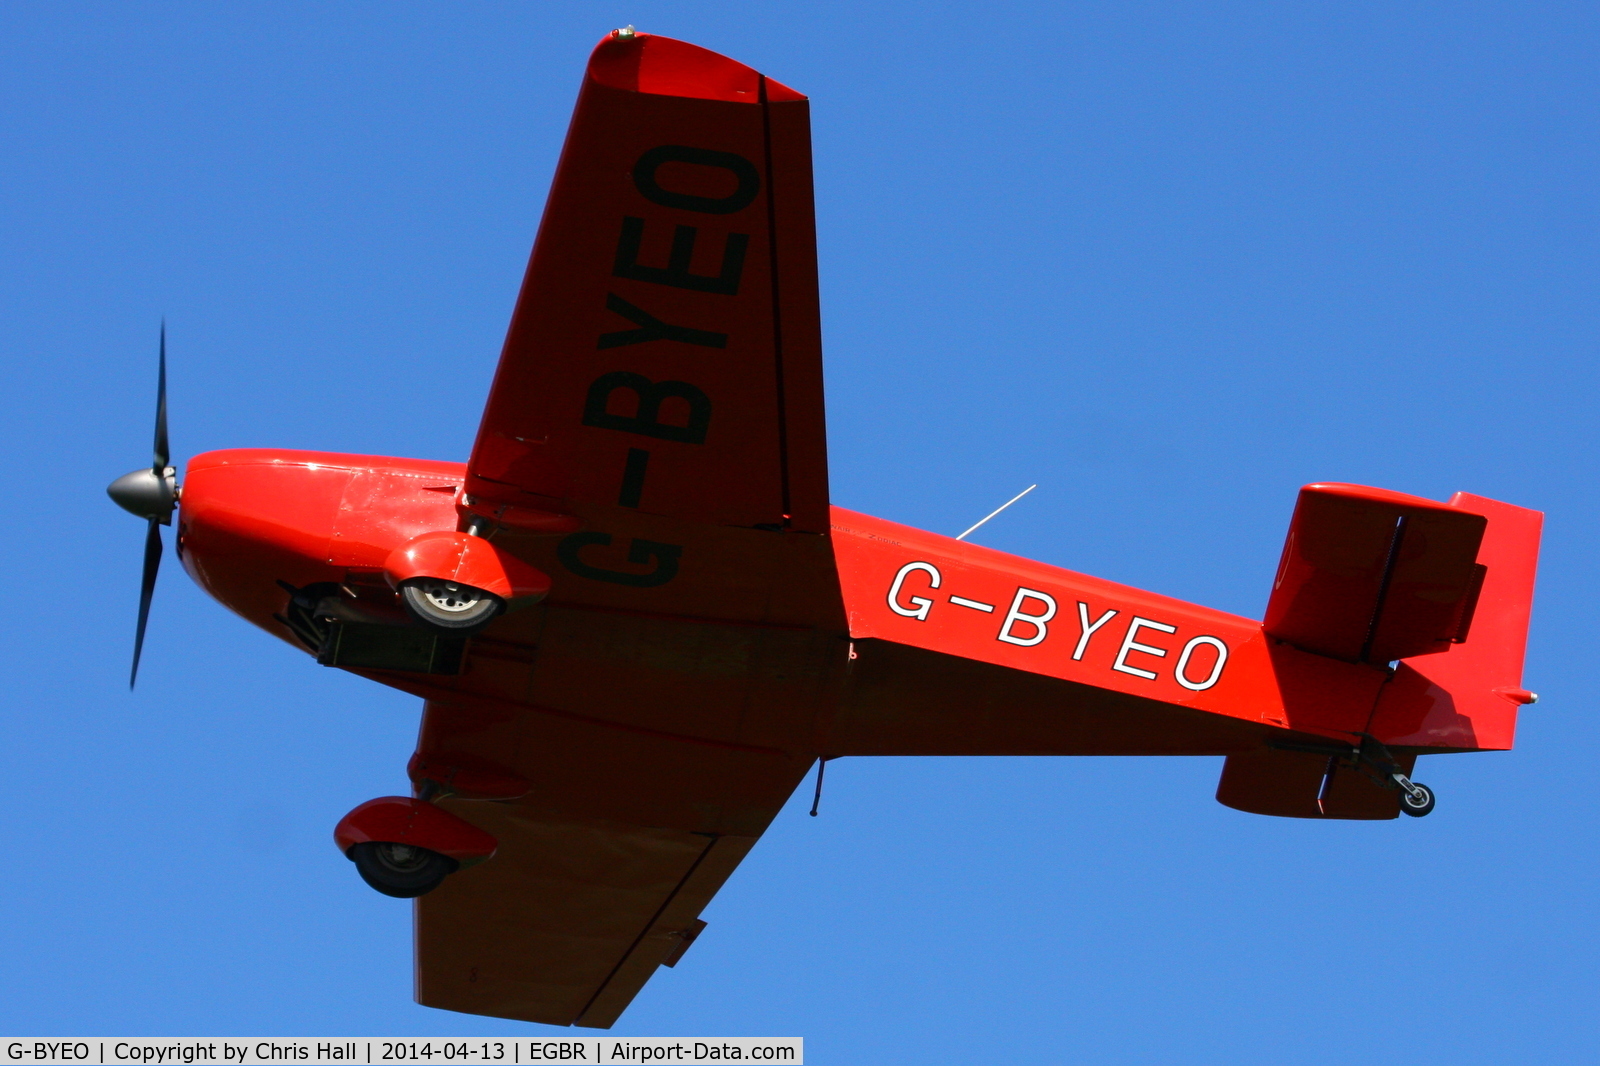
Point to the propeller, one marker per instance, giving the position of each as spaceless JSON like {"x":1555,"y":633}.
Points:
{"x":152,"y":494}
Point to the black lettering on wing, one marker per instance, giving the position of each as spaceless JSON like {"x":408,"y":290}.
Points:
{"x":647,"y":419}
{"x":652,"y":328}
{"x":677,"y":273}
{"x":633,"y":478}
{"x":744,"y":173}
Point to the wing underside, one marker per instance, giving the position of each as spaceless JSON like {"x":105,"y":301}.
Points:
{"x":661,"y":385}
{"x":664,"y":354}
{"x":569,"y":920}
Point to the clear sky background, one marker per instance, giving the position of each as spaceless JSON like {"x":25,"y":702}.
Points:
{"x":1168,"y":260}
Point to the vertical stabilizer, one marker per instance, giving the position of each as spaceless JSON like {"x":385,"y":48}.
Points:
{"x":1469,"y":696}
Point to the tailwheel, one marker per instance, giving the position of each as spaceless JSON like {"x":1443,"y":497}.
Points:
{"x":401,"y":870}
{"x":449,"y":607}
{"x":1417,"y":800}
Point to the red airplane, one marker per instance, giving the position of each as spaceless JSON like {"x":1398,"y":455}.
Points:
{"x":637,"y":623}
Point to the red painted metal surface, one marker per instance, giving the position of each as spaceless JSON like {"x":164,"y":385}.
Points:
{"x":527,"y":519}
{"x":658,"y":359}
{"x":955,"y":598}
{"x":1369,"y":575}
{"x":1468,"y":698}
{"x":251,"y":518}
{"x":1299,"y":784}
{"x":958,"y":599}
{"x":453,"y":556}
{"x":466,"y":776}
{"x":660,"y":66}
{"x":402,"y":820}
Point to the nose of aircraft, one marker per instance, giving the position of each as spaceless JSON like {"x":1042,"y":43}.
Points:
{"x":147,"y":494}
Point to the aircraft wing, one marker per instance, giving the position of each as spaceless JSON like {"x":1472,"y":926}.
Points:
{"x":611,"y":841}
{"x":567,"y":923}
{"x":664,"y":354}
{"x":661,"y":388}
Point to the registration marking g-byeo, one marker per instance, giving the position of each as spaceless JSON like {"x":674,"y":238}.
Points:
{"x":1027,"y":625}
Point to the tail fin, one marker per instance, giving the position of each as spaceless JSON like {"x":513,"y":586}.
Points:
{"x":1468,"y":697}
{"x":1372,"y":576}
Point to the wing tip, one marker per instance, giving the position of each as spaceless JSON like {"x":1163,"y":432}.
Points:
{"x":664,"y":66}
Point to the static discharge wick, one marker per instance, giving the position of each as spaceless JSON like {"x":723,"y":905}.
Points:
{"x":997,"y":510}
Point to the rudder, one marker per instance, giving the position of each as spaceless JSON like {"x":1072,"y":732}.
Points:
{"x":1468,"y":698}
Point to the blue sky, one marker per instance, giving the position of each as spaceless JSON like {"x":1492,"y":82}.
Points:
{"x":1168,"y":260}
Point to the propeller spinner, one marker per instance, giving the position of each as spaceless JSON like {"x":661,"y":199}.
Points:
{"x":152,"y":494}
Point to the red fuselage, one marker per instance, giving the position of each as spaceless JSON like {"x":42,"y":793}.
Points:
{"x":253,"y":521}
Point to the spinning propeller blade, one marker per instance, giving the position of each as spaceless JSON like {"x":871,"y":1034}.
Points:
{"x":163,"y":458}
{"x":152,"y":494}
{"x":147,"y":589}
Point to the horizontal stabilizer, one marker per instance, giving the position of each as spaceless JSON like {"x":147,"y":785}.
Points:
{"x":1374,"y":576}
{"x":1300,"y":784}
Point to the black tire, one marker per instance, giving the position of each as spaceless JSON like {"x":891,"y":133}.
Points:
{"x":400,"y":870}
{"x":1414,"y":805}
{"x":450,"y":608}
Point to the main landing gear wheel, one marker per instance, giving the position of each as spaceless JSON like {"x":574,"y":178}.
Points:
{"x":1417,"y":803}
{"x":401,"y":870}
{"x":450,"y":608}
